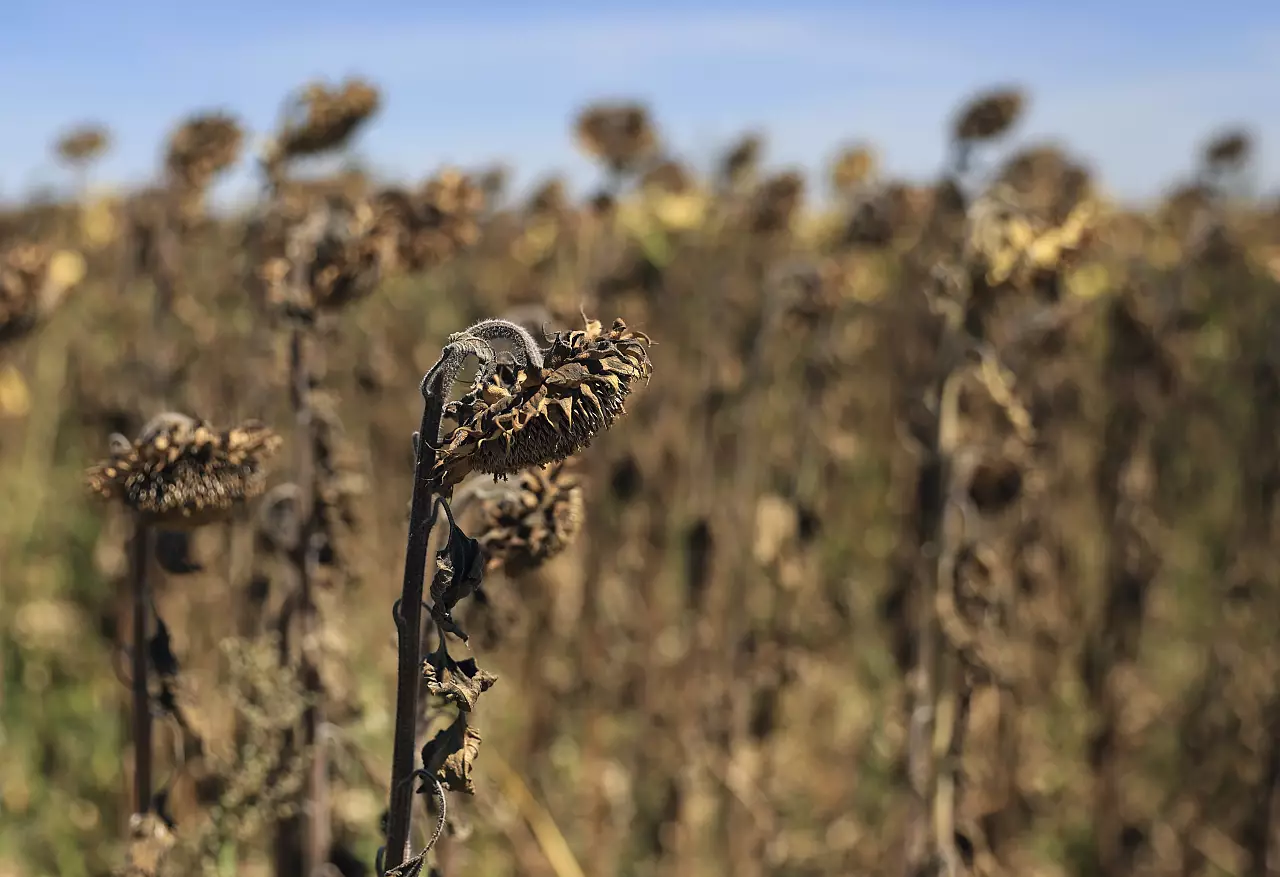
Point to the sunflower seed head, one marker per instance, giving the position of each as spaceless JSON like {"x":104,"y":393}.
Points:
{"x":181,"y":472}
{"x":532,"y":521}
{"x":522,"y":417}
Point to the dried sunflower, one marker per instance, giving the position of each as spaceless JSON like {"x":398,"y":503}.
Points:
{"x":182,"y":472}
{"x":988,"y":115}
{"x":1228,"y":150}
{"x":433,"y":224}
{"x":83,"y":144}
{"x":202,"y":147}
{"x":322,"y":259}
{"x":853,"y":168}
{"x":776,"y":202}
{"x":528,"y":522}
{"x":620,"y":135}
{"x":322,"y":118}
{"x":521,"y":414}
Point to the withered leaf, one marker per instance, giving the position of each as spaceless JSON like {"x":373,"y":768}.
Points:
{"x":461,"y":682}
{"x":451,"y":754}
{"x":459,"y":572}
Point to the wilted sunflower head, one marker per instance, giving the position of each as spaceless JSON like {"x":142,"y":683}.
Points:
{"x":202,"y":147}
{"x":83,"y":144}
{"x":541,"y":406}
{"x":854,"y":167}
{"x":988,"y":115}
{"x":181,"y":472}
{"x":1228,"y":150}
{"x":620,"y":135}
{"x":317,"y":257}
{"x":320,"y":118}
{"x":776,"y":202}
{"x":530,"y":520}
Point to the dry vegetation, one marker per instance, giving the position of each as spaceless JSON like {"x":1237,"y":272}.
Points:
{"x":939,"y":542}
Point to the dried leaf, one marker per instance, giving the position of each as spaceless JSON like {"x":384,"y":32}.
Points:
{"x":461,"y":682}
{"x":451,"y":754}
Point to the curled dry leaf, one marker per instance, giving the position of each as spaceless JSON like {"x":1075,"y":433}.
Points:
{"x":450,"y":755}
{"x":460,"y":682}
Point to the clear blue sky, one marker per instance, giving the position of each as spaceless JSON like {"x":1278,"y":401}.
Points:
{"x":1132,"y":85}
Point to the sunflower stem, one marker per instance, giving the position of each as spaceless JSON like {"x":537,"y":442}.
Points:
{"x":435,"y":388}
{"x":140,"y":556}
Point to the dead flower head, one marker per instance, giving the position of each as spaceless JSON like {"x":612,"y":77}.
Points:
{"x":988,"y":115}
{"x":529,"y":521}
{"x":317,"y":257}
{"x":853,"y":168}
{"x":181,"y":472}
{"x":433,"y":224}
{"x":776,"y":203}
{"x":321,"y":118}
{"x":1230,"y":149}
{"x":620,"y":135}
{"x":538,"y":406}
{"x":202,"y":147}
{"x":83,"y":144}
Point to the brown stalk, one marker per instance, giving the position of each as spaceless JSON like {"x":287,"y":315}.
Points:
{"x":313,"y":845}
{"x":408,"y":615}
{"x":140,"y":556}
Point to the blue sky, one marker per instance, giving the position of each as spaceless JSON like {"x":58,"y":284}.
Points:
{"x":1133,"y":87}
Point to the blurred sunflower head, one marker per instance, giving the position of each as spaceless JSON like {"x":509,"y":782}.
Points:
{"x":202,"y":147}
{"x":321,"y":118}
{"x":988,"y":115}
{"x":83,"y":144}
{"x":181,"y":472}
{"x":620,"y":135}
{"x":530,"y":520}
{"x":539,"y":406}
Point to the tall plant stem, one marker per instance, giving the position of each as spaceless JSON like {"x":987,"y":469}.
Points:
{"x":408,"y":618}
{"x":140,"y":556}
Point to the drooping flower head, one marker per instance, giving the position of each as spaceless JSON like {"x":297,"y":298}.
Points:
{"x":531,"y":407}
{"x":181,"y":472}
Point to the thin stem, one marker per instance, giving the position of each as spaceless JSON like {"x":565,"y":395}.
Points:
{"x":141,"y":555}
{"x":316,"y":848}
{"x":408,"y":617}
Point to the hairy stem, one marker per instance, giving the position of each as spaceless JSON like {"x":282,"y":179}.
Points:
{"x":408,"y":613}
